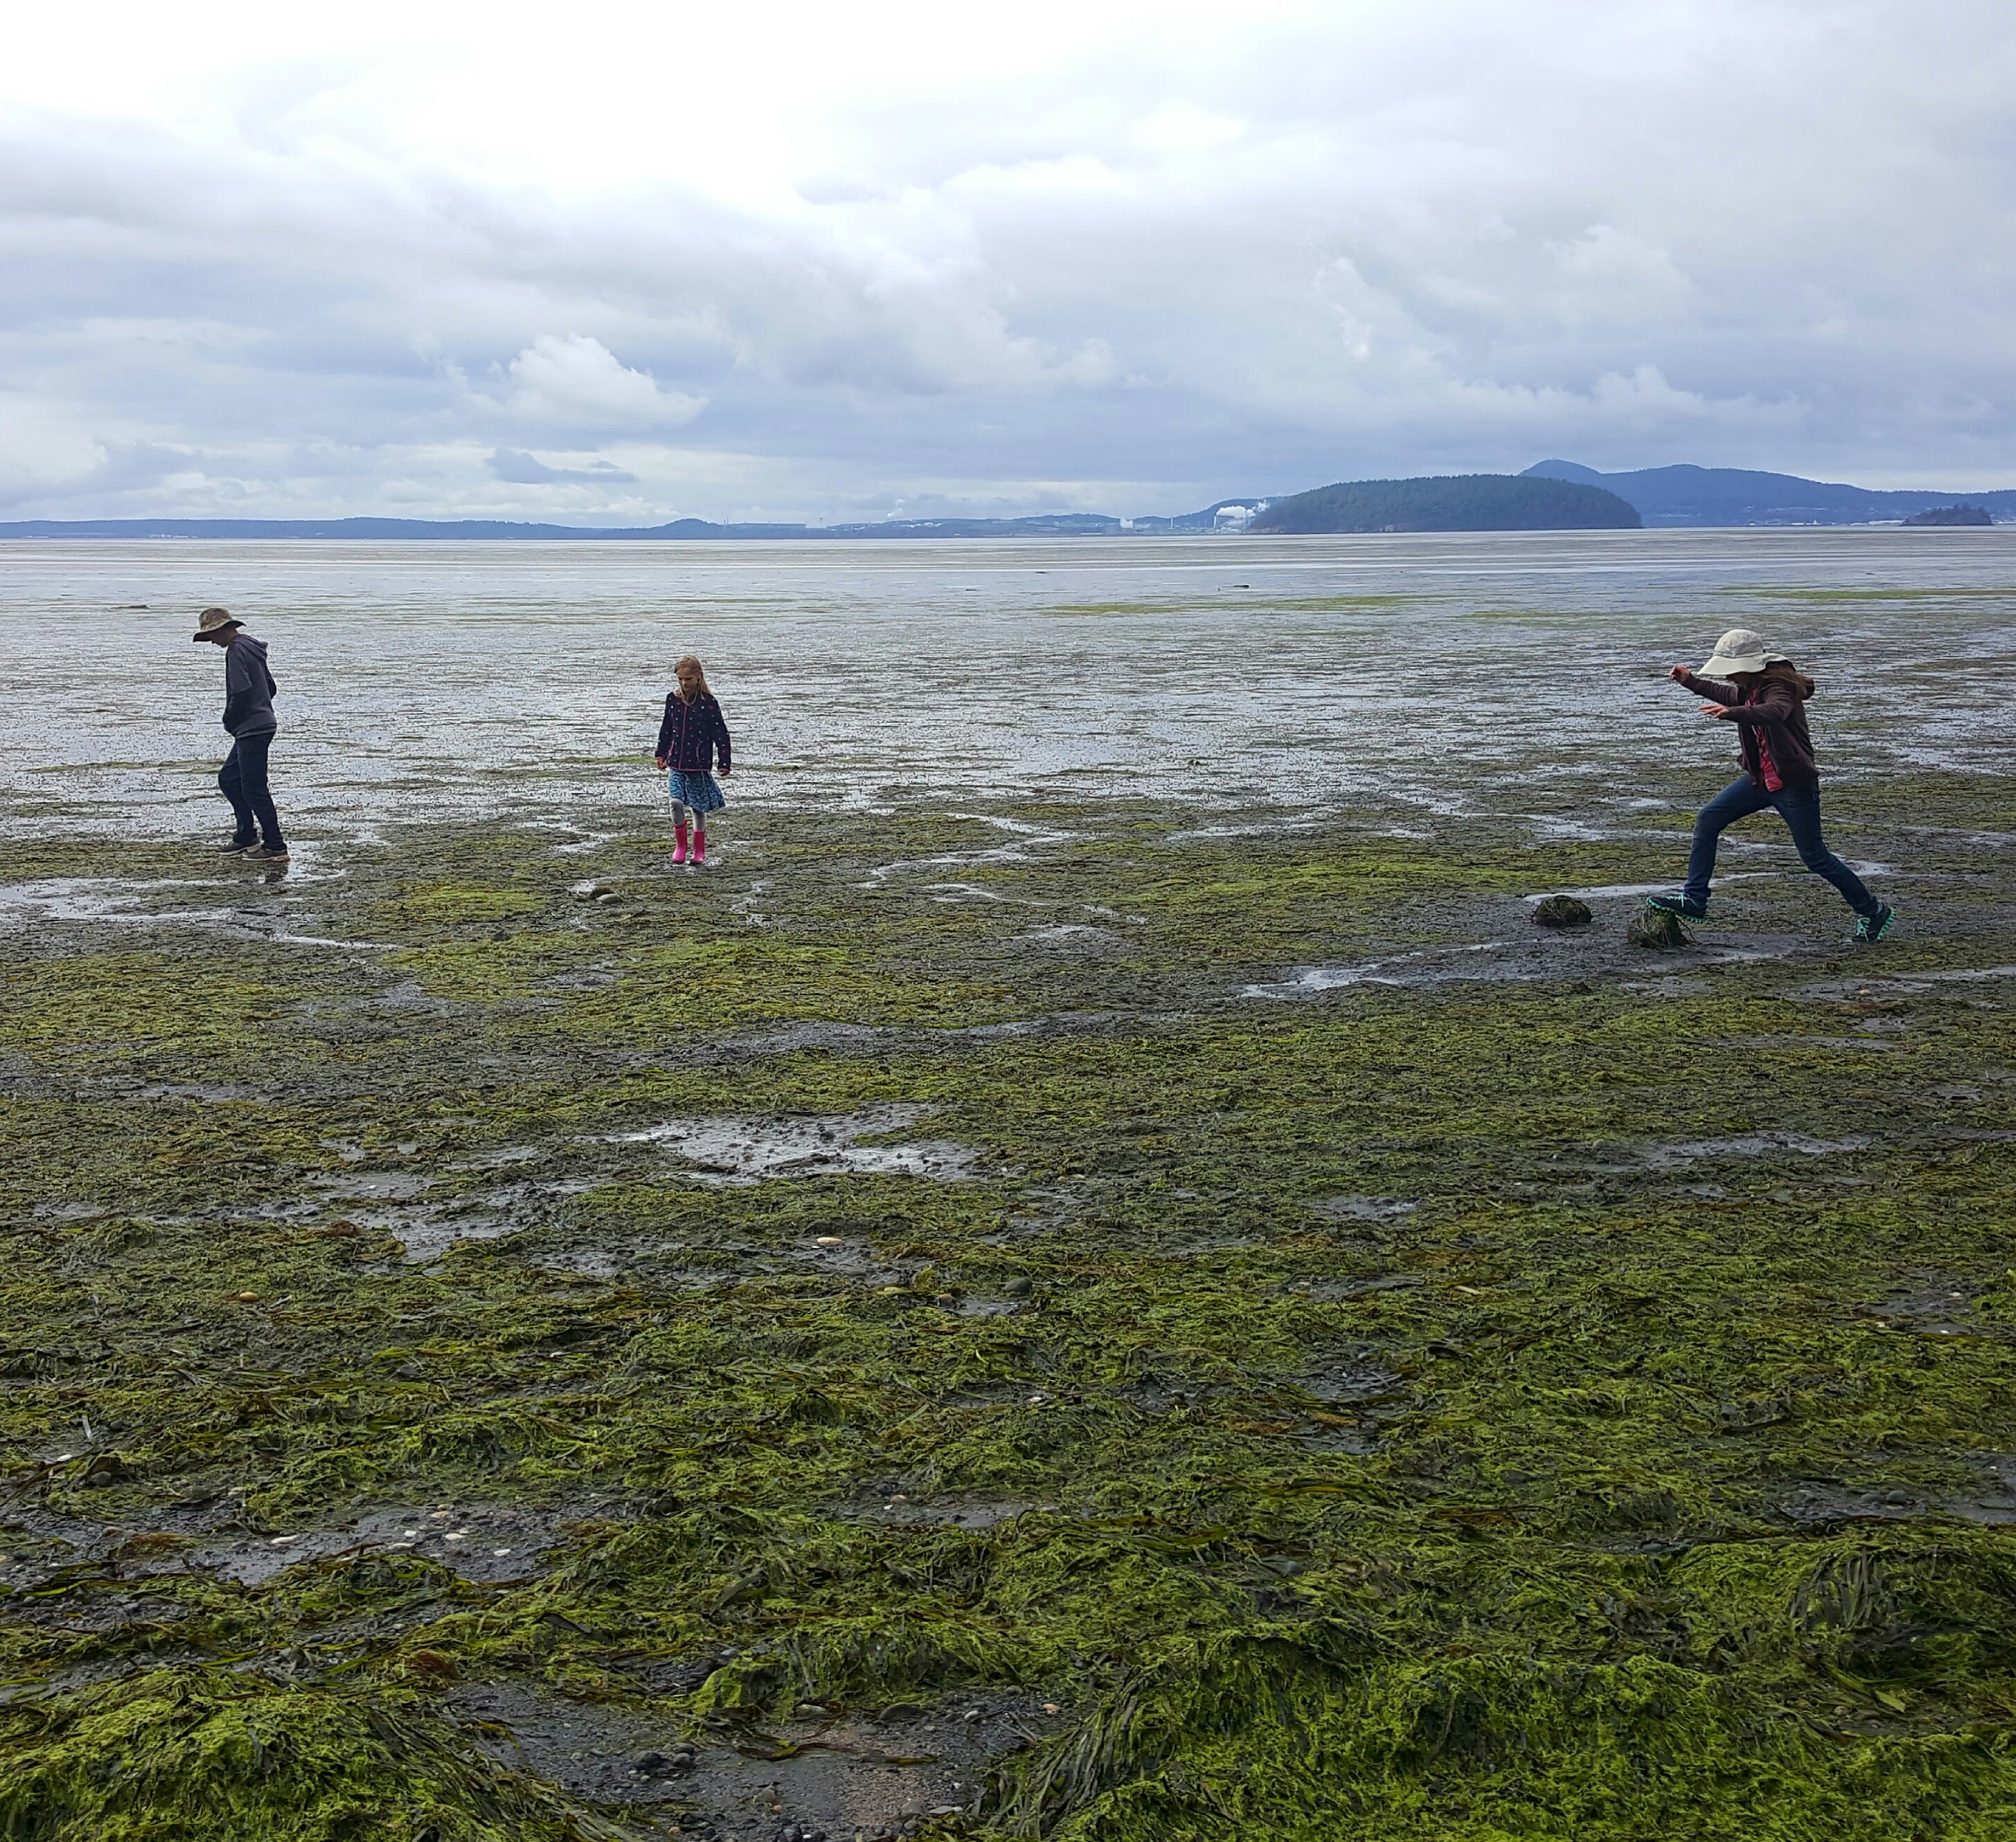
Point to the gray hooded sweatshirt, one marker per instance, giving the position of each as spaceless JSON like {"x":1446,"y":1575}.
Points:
{"x":248,"y":689}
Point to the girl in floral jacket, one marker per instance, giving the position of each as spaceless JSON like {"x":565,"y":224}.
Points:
{"x":693,"y":734}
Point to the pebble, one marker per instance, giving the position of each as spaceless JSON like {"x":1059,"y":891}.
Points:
{"x":828,"y":1241}
{"x":1018,"y":1289}
{"x":681,"y":1759}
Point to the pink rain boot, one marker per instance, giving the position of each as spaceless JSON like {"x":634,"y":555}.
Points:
{"x":699,"y":846}
{"x":679,"y":854}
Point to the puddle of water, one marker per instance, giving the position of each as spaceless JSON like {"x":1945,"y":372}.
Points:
{"x":1337,"y":1291}
{"x":376,"y":1185}
{"x":1685,"y":1152}
{"x":977,"y":1513}
{"x":504,"y":1154}
{"x":725,"y":1151}
{"x":1905,"y":982}
{"x":1601,"y":891}
{"x":480,"y":1544}
{"x":846,"y":1774}
{"x":1363,"y":1208}
{"x":1822,"y":1500}
{"x":1309,"y":981}
{"x":1935,"y":1308}
{"x":392,"y":1202}
{"x":111,"y":902}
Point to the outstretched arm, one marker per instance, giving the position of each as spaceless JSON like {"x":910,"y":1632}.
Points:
{"x":1774,"y":704}
{"x":1776,"y":701}
{"x":1714,"y":689}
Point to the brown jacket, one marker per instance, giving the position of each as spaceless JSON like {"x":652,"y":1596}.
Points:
{"x":1775,"y":708}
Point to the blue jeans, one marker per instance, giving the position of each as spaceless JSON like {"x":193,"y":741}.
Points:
{"x":1800,"y":808}
{"x":242,"y":780}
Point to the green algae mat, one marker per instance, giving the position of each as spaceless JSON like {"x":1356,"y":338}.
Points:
{"x":1035,"y":1324}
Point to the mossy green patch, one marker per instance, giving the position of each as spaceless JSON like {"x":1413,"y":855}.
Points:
{"x":1552,"y":1392}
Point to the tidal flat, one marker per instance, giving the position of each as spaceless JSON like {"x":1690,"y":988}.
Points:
{"x":1055,"y":1310}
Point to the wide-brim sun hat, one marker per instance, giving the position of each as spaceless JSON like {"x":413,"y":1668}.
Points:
{"x":214,"y":620}
{"x":1739,"y":649}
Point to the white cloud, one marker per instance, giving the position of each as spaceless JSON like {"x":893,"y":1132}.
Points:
{"x":1180,"y":128}
{"x":44,"y":443}
{"x":1124,"y":254}
{"x":572,"y":379}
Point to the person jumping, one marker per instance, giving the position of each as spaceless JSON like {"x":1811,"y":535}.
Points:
{"x":1765,"y":698}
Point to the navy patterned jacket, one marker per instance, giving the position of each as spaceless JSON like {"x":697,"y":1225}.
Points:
{"x":691,"y":734}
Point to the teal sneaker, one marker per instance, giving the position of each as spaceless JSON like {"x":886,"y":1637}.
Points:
{"x":1869,"y":929}
{"x":1685,"y":906}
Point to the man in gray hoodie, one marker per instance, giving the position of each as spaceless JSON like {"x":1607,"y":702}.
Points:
{"x":248,"y":715}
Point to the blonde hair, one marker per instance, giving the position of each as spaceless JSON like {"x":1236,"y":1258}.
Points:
{"x":680,"y":665}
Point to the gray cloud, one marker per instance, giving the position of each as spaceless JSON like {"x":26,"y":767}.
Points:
{"x":1133,"y":270}
{"x":521,"y":469}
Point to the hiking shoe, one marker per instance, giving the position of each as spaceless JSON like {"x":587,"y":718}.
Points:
{"x":267,"y":854}
{"x":1685,"y":906}
{"x":1869,"y":929}
{"x":237,"y":845}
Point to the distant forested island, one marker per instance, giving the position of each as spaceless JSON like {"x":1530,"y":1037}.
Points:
{"x":1951,"y":514}
{"x":1461,"y":502}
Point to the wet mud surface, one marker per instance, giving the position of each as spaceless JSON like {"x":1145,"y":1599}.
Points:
{"x":1033,"y":1318}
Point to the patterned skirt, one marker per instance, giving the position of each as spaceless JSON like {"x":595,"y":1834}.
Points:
{"x":702,"y":792}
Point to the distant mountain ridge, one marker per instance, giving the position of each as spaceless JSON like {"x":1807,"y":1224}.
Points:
{"x":1682,"y":495}
{"x":489,"y":530}
{"x":1461,"y":502}
{"x":1435,"y":503}
{"x":1686,"y":495}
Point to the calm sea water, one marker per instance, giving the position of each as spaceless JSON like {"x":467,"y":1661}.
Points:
{"x":425,"y":681}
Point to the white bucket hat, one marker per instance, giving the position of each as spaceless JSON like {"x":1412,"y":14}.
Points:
{"x":1739,"y":649}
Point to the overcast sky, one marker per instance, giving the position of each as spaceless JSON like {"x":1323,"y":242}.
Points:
{"x":620,"y":264}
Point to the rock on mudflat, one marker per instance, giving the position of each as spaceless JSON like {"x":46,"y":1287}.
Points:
{"x":1655,"y":927}
{"x":1561,"y":911}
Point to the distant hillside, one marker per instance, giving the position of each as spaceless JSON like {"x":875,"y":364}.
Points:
{"x":1462,"y":501}
{"x":1690,"y":496}
{"x":489,"y":529}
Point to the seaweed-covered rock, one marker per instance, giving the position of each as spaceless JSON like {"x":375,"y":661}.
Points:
{"x":1655,"y":927}
{"x":1561,"y":911}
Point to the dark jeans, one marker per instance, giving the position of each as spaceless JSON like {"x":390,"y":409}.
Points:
{"x":242,"y":780}
{"x":1800,"y":808}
